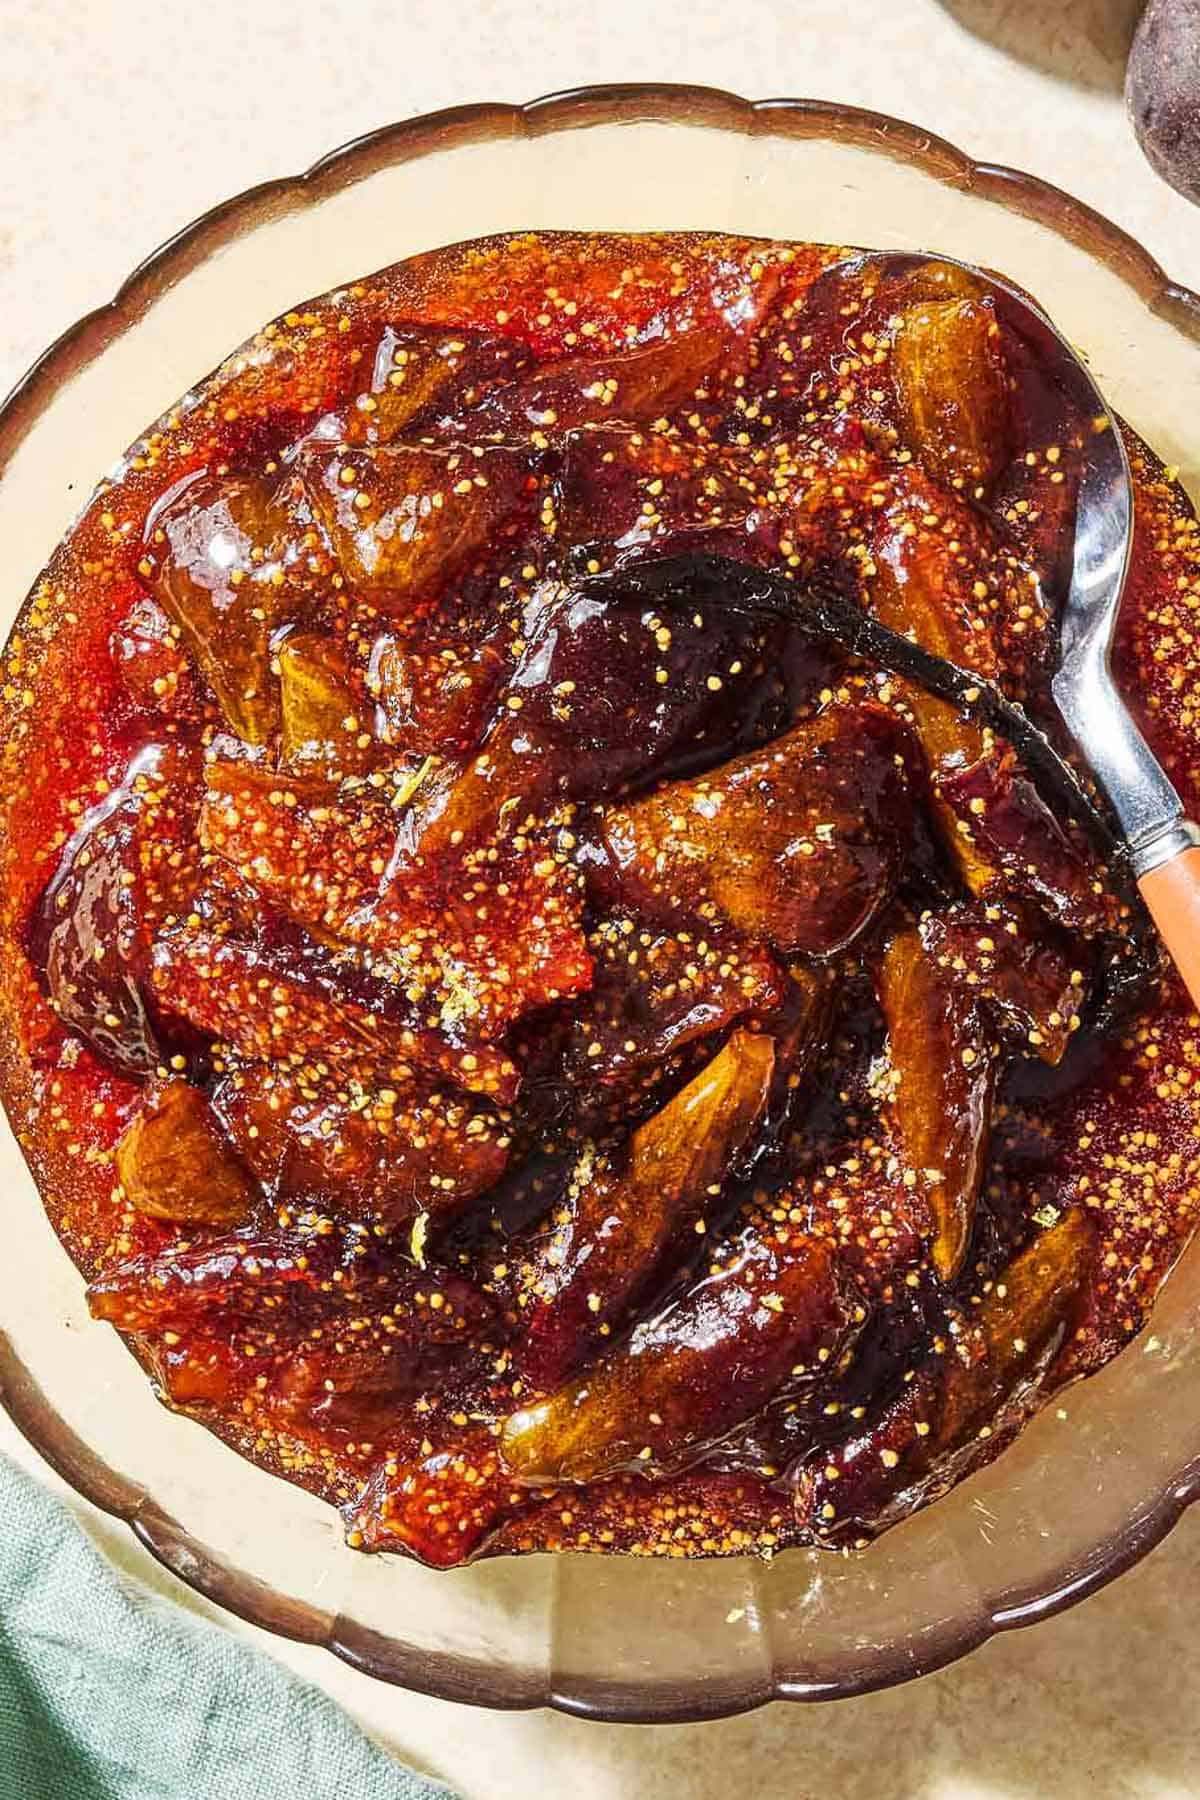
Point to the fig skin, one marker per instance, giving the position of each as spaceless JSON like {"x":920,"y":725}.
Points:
{"x":952,"y":388}
{"x":619,"y":1228}
{"x":945,"y":1071}
{"x":1162,"y":91}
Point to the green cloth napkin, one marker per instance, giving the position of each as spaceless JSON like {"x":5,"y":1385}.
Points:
{"x":108,"y":1692}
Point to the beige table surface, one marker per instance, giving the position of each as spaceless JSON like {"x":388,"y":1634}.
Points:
{"x":119,"y":121}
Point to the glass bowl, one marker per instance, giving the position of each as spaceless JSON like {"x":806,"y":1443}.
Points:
{"x":1099,"y":1477}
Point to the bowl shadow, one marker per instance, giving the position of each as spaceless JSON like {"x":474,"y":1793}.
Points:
{"x":1084,"y":42}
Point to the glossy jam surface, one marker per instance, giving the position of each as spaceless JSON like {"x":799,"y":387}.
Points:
{"x":526,"y":1029}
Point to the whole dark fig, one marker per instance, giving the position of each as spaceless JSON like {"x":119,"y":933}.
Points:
{"x":1162,"y":89}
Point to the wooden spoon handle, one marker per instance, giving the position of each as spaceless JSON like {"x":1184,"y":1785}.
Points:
{"x":1172,"y":892}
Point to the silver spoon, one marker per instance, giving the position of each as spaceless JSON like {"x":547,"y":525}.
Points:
{"x":1162,"y":841}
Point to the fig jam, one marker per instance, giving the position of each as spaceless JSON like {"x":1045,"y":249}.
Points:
{"x":523,"y":1043}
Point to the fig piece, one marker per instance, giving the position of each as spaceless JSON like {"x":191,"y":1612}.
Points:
{"x":613,"y":688}
{"x":323,"y":1347}
{"x":435,"y":699}
{"x":439,"y":1506}
{"x":607,"y":689}
{"x":505,"y":941}
{"x":310,"y":851}
{"x":619,"y":1224}
{"x":320,"y":1382}
{"x":404,"y":520}
{"x":963,"y":1402}
{"x":1025,"y":975}
{"x":993,"y":822}
{"x":655,"y":992}
{"x":1018,"y":846}
{"x":175,"y":1163}
{"x":633,"y":499}
{"x":288,"y":1282}
{"x":1021,"y":1322}
{"x":952,"y":390}
{"x":944,"y":1073}
{"x":129,"y":863}
{"x":281,"y":385}
{"x":772,"y":1312}
{"x":621,"y":491}
{"x":934,"y":280}
{"x":204,"y":1372}
{"x":349,"y":1389}
{"x":307,"y":1008}
{"x":241,"y":1273}
{"x":230,"y":560}
{"x":381,"y":1154}
{"x":638,"y":386}
{"x":798,"y":844}
{"x":422,"y":376}
{"x":325,"y":724}
{"x":500,"y":940}
{"x":922,"y":588}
